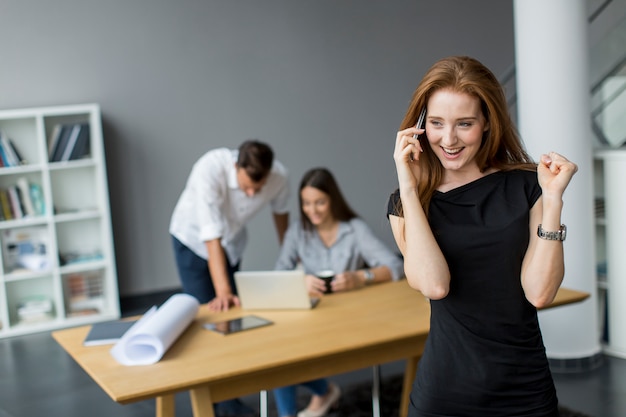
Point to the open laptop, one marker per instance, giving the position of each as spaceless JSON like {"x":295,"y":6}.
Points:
{"x":273,"y":290}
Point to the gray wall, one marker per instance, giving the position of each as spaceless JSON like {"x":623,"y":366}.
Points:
{"x":325,"y":82}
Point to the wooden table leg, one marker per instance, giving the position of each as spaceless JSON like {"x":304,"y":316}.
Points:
{"x":201,"y":402}
{"x":409,"y":375}
{"x":165,"y":406}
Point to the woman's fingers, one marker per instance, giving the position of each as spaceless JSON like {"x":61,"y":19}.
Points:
{"x":408,"y":146}
{"x":555,"y":172}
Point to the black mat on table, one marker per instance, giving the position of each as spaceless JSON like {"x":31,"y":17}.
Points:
{"x":356,"y":400}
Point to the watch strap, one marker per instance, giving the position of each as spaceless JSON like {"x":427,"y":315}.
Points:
{"x":552,"y":235}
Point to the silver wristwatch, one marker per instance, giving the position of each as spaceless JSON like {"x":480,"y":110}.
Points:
{"x":369,"y":275}
{"x":558,"y":235}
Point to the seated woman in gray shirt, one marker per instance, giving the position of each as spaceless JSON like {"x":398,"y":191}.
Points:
{"x":330,"y":236}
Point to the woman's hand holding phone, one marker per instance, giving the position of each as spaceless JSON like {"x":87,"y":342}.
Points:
{"x":407,"y":150}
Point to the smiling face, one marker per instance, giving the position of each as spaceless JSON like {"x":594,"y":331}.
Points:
{"x":316,"y":206}
{"x":454,"y":127}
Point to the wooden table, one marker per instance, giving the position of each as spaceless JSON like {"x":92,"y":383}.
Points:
{"x":345,"y":332}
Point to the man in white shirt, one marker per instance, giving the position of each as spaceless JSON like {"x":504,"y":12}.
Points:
{"x":225,"y":189}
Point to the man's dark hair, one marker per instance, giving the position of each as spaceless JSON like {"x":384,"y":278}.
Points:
{"x":256,"y":159}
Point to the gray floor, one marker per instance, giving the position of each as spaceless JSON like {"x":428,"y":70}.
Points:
{"x":37,"y":378}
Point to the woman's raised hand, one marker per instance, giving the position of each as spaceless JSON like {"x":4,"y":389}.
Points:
{"x":406,"y":155}
{"x":554,"y":173}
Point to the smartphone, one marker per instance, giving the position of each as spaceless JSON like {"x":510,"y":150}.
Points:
{"x":421,"y":121}
{"x":237,"y":325}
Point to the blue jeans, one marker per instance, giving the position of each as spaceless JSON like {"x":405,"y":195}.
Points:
{"x":194,"y":273}
{"x":286,"y":396}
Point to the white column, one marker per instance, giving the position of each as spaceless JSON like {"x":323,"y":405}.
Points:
{"x":614,"y":172}
{"x":553,"y":89}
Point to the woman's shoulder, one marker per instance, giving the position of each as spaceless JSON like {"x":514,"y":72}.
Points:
{"x":522,"y":179}
{"x":523,"y":176}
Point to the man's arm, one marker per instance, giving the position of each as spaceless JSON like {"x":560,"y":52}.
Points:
{"x":218,"y":267}
{"x":281,"y":221}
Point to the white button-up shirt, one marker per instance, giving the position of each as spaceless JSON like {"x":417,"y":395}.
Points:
{"x":213,"y":206}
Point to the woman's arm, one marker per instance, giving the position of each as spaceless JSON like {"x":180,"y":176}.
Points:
{"x":425,"y":266}
{"x":543,"y":267}
{"x":383,"y":263}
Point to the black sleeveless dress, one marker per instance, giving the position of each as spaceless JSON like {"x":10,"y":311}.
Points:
{"x":484,"y":356}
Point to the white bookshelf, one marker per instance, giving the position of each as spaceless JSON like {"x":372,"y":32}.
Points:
{"x":74,"y":281}
{"x":610,"y":171}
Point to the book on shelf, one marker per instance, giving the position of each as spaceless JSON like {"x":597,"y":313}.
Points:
{"x":36,"y":196}
{"x":67,"y":258}
{"x":77,"y":143}
{"x":84,"y":285}
{"x":26,"y":248}
{"x":53,"y":140}
{"x":22,"y":199}
{"x":7,"y":212}
{"x":16,"y":204}
{"x":13,"y":150}
{"x":69,"y":142}
{"x":25,"y":196}
{"x":61,"y":143}
{"x":4,"y":157}
{"x":11,"y":157}
{"x":84,"y":292}
{"x":35,"y":309}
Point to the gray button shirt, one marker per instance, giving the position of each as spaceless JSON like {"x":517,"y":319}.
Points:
{"x":356,"y":247}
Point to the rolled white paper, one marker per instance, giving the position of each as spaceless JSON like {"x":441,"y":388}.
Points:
{"x":148,"y":339}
